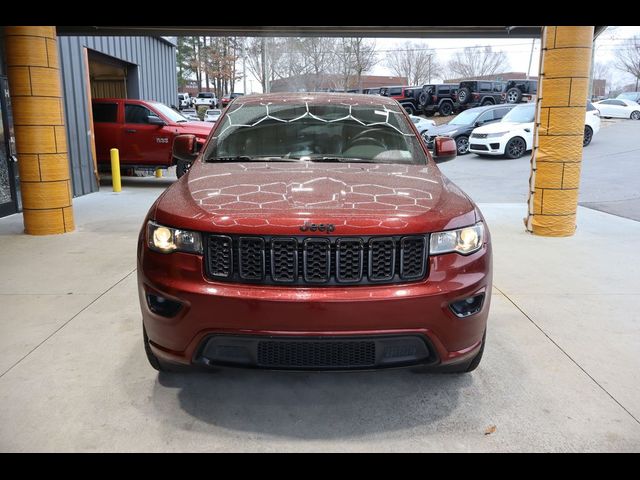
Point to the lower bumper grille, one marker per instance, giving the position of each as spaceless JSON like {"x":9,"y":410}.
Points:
{"x":476,"y":146}
{"x":315,"y":353}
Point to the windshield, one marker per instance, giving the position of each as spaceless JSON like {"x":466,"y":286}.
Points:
{"x":465,"y":118}
{"x":213,"y":112}
{"x":521,"y":114}
{"x":168,"y":112}
{"x":629,"y":95}
{"x":317,"y":132}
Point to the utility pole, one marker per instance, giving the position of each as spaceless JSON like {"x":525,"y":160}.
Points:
{"x":430,"y":67}
{"x":533,"y":42}
{"x":244,"y":68}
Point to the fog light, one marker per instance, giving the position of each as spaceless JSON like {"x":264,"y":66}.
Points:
{"x":467,"y":306}
{"x":494,"y":146}
{"x":163,"y":306}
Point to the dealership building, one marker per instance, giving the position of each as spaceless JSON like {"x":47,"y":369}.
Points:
{"x":47,"y":151}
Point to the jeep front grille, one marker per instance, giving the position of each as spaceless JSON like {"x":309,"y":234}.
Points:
{"x":316,"y":260}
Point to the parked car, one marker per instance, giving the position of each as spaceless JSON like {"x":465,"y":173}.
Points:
{"x":520,"y":91}
{"x":618,"y":108}
{"x":314,"y":242}
{"x":460,"y":127}
{"x":184,"y":100}
{"x":633,"y":96}
{"x":228,"y":97}
{"x":513,"y":135}
{"x":591,"y":124}
{"x":423,"y":125}
{"x":190,"y":114}
{"x":474,"y":93}
{"x":206,"y":98}
{"x":212,"y":115}
{"x":439,"y":98}
{"x":142,"y":131}
{"x":406,"y":96}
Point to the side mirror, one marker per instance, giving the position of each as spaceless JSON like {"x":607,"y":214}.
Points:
{"x":444,"y":149}
{"x":154,"y":120}
{"x":185,"y":148}
{"x":477,"y":123}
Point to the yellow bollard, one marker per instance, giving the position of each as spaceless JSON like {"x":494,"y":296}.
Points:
{"x":158,"y":173}
{"x":115,"y":170}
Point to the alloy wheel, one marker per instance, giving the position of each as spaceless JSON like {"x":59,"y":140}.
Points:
{"x":462,"y":143}
{"x":512,"y":97}
{"x":635,"y":115}
{"x":515,"y":148}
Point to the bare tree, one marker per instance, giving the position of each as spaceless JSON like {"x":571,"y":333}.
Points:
{"x":628,"y":58}
{"x":477,"y":61}
{"x":364,"y":57}
{"x":263,"y":56}
{"x":414,"y":61}
{"x":319,"y":57}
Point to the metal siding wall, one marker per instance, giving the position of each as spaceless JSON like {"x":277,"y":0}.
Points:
{"x":156,"y":61}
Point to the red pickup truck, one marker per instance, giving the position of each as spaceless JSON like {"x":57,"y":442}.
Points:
{"x":143,"y":131}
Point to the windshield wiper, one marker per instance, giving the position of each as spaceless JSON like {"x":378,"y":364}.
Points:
{"x":334,"y":159}
{"x":245,"y":158}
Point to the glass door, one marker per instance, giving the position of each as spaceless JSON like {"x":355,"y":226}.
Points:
{"x":8,"y":165}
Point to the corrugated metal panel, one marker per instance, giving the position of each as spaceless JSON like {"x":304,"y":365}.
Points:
{"x":156,"y":69}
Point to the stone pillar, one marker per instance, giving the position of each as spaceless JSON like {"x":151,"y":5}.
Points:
{"x":41,"y":138}
{"x":560,"y":115}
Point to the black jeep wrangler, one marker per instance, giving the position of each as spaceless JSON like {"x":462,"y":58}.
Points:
{"x":438,"y":98}
{"x":519,"y":91}
{"x":479,"y":93}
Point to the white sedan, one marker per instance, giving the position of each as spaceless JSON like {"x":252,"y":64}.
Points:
{"x":618,"y":108}
{"x":212,"y":115}
{"x":422,"y":124}
{"x":513,"y":135}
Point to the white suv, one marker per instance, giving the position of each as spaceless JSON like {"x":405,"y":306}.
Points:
{"x":206,"y":98}
{"x":513,"y":135}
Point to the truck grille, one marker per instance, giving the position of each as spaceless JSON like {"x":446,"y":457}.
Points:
{"x":309,"y":354}
{"x":316,"y":260}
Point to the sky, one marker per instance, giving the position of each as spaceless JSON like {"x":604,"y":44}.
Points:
{"x":518,"y":52}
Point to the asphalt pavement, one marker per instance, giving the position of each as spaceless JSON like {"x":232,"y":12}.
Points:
{"x":610,"y":178}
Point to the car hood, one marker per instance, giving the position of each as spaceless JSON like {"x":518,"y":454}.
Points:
{"x":502,"y":127}
{"x":195,"y":128}
{"x":446,"y":129}
{"x":279,"y":197}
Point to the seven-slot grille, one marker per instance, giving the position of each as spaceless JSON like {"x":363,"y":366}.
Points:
{"x":316,"y":260}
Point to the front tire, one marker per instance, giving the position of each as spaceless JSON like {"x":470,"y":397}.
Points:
{"x":515,"y":148}
{"x":635,"y":115}
{"x":182,"y":167}
{"x":409,"y":109}
{"x":462,"y":144}
{"x":588,"y":135}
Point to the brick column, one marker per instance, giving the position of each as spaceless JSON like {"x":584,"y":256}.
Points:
{"x":561,"y":106}
{"x":41,"y":139}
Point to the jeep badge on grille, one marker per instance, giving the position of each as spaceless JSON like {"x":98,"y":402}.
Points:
{"x":322,"y":227}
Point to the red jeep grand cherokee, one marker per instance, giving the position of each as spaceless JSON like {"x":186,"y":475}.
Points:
{"x":314,"y":231}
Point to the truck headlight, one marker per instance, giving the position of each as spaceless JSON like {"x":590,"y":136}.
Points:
{"x":463,"y":240}
{"x":166,"y":239}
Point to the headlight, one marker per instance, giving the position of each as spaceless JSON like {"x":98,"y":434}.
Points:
{"x":463,"y":240}
{"x":166,"y":239}
{"x":496,"y":135}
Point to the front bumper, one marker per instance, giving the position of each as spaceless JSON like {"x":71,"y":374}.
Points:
{"x":251,"y":313}
{"x":487,"y":146}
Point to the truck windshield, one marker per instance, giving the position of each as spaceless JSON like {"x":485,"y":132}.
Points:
{"x":168,"y":112}
{"x":308,"y":131}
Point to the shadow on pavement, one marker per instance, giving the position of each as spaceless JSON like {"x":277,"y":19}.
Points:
{"x":315,"y":405}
